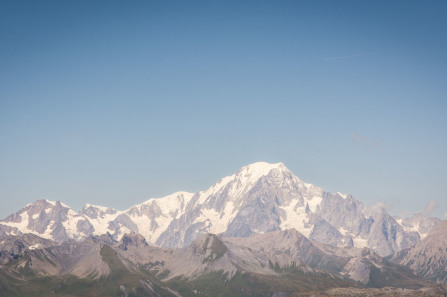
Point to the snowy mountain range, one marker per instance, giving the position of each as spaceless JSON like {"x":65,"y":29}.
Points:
{"x":259,"y":198}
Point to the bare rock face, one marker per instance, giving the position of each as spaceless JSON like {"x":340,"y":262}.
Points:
{"x":14,"y":247}
{"x":280,"y":258}
{"x":361,"y":265}
{"x":419,"y":223}
{"x":259,"y":198}
{"x":81,"y":259}
{"x":428,"y":258}
{"x":209,"y":253}
{"x":6,"y":230}
{"x":269,"y":254}
{"x":47,"y":258}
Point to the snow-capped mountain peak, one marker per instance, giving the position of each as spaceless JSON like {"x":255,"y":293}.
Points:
{"x":48,"y":219}
{"x":259,"y":198}
{"x":238,"y":184}
{"x":169,"y":202}
{"x":253,"y":172}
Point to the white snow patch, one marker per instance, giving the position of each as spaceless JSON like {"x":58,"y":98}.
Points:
{"x":314,"y":202}
{"x":33,"y":247}
{"x":51,"y":202}
{"x":200,"y":219}
{"x":123,"y":230}
{"x":171,"y":206}
{"x":22,"y":225}
{"x":171,"y":203}
{"x":296,"y":218}
{"x":71,"y":212}
{"x":101,"y":223}
{"x":47,"y":233}
{"x":219,"y":221}
{"x":100,"y":208}
{"x":143,"y":224}
{"x":70,"y":226}
{"x":423,"y":235}
{"x":163,"y":224}
{"x":55,"y":202}
{"x":344,"y":196}
{"x":360,"y":242}
{"x":412,"y":228}
{"x":343,"y":231}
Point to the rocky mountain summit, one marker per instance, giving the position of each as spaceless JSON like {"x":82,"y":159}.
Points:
{"x":259,"y":198}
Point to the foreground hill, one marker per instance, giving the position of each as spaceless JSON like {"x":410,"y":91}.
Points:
{"x":98,"y":266}
{"x":285,"y":257}
{"x":280,"y":263}
{"x":88,"y":268}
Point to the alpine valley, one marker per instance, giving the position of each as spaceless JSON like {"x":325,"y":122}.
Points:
{"x":259,"y":232}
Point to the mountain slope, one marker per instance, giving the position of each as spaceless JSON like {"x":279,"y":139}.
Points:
{"x":87,"y":268}
{"x":361,"y":265}
{"x":279,"y":263}
{"x":215,"y":267}
{"x":428,"y":258}
{"x":14,"y":247}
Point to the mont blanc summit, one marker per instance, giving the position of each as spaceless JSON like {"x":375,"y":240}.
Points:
{"x":259,"y":198}
{"x":259,"y":232}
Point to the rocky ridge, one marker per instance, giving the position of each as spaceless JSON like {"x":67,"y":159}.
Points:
{"x":279,"y":263}
{"x":428,"y":258}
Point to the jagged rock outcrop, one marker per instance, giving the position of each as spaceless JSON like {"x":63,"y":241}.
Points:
{"x":14,"y":247}
{"x":428,"y":258}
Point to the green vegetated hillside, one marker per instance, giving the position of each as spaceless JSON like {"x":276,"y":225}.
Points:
{"x":251,"y":284}
{"x":18,"y":278}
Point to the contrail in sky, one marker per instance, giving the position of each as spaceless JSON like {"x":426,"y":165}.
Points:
{"x":350,"y":56}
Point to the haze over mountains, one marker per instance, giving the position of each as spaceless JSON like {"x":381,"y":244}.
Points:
{"x":259,"y":232}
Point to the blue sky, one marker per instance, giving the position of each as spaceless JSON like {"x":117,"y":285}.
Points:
{"x":115,"y":102}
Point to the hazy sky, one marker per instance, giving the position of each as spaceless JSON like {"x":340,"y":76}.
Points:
{"x":115,"y":102}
